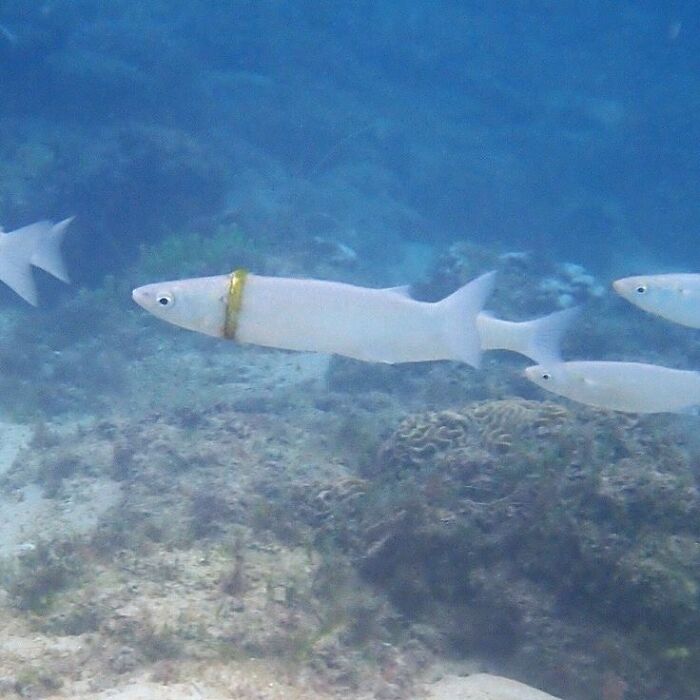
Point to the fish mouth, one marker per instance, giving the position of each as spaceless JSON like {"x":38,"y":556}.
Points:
{"x":139,"y":296}
{"x":530,"y":372}
{"x":618,"y":286}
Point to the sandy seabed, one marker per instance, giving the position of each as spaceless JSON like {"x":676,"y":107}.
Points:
{"x":163,"y":588}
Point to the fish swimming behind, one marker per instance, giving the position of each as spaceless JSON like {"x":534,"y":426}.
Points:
{"x":37,"y":245}
{"x":374,"y":325}
{"x":632,"y":387}
{"x":675,"y":297}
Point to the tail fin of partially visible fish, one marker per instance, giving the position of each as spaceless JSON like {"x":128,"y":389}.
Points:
{"x":47,"y":254}
{"x":461,"y":311}
{"x":538,"y":339}
{"x":37,"y":244}
{"x":16,"y":250}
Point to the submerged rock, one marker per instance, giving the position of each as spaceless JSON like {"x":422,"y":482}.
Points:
{"x":484,"y":686}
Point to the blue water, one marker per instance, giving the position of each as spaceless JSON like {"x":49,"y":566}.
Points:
{"x":380,"y":143}
{"x":567,"y":128}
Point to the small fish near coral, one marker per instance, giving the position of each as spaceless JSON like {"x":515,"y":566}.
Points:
{"x":373,"y":325}
{"x":632,"y":387}
{"x":36,"y":245}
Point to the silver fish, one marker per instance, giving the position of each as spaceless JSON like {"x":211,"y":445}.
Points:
{"x":374,"y":325}
{"x":675,"y":297}
{"x":633,"y":387}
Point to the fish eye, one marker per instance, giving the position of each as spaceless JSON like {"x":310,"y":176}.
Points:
{"x":546,"y":376}
{"x":641,"y":289}
{"x":165,"y":299}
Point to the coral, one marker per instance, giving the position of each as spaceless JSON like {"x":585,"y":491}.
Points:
{"x":501,"y":423}
{"x":496,"y":425}
{"x":500,"y":520}
{"x":419,"y":438}
{"x":327,"y":498}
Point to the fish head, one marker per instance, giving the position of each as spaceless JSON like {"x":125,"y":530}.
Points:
{"x":552,"y":377}
{"x":652,"y":293}
{"x":632,"y":288}
{"x":196,"y":304}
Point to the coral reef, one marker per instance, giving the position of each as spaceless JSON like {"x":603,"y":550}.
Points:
{"x":497,"y":425}
{"x":505,"y":521}
{"x":319,"y":528}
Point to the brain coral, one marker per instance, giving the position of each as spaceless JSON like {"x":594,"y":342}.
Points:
{"x":497,"y":425}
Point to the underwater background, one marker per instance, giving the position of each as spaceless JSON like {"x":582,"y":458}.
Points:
{"x":183,"y":515}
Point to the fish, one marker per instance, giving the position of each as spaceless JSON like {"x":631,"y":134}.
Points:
{"x":537,"y":339}
{"x":675,"y":296}
{"x":631,"y":387}
{"x":372,"y":325}
{"x":35,"y":245}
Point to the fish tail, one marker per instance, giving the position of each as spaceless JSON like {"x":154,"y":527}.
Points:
{"x":16,"y":250}
{"x":47,"y":254}
{"x":461,"y":311}
{"x":540,"y":338}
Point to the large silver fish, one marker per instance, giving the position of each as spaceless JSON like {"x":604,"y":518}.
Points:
{"x":374,"y":325}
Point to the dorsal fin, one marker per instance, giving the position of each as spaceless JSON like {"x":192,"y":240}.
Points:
{"x":461,"y":311}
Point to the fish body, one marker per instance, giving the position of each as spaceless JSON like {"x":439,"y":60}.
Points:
{"x":675,"y":297}
{"x":36,"y":245}
{"x":373,"y":325}
{"x":632,"y":387}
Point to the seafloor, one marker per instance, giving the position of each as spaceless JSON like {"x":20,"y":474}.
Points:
{"x":208,"y":520}
{"x":162,"y":553}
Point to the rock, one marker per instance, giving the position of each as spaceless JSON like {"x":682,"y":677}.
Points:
{"x":483,"y":686}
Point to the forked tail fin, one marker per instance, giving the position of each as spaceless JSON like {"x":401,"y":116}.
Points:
{"x":47,"y":254}
{"x":38,"y":244}
{"x":538,"y":339}
{"x":16,"y":250}
{"x":545,"y":334}
{"x":461,"y":311}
